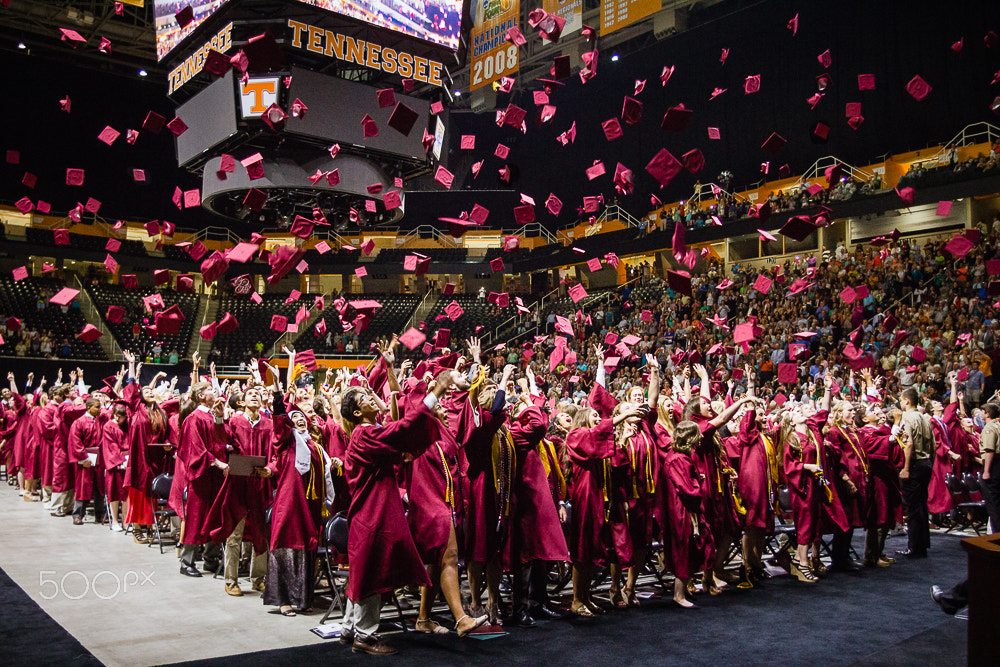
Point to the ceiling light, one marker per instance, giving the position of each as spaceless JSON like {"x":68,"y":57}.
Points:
{"x":458,"y":93}
{"x":142,"y":72}
{"x":614,"y":58}
{"x":21,"y":46}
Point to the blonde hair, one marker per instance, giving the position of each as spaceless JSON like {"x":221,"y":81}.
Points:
{"x":665,"y":414}
{"x":687,"y":435}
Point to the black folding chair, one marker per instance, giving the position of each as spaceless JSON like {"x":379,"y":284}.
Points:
{"x":161,"y":493}
{"x":334,"y":540}
{"x":967,"y":513}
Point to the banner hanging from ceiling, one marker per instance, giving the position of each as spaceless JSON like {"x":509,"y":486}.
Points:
{"x":617,"y":14}
{"x":569,"y":10}
{"x":493,"y":57}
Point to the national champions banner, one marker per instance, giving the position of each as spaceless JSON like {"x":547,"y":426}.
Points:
{"x":493,"y":56}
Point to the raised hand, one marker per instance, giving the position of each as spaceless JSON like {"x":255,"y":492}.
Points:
{"x":130,"y":358}
{"x":475,"y":349}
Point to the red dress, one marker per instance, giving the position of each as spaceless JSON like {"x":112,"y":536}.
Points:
{"x":685,"y":491}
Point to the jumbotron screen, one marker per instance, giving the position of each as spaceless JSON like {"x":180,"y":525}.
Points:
{"x":435,"y":21}
{"x":168,"y":33}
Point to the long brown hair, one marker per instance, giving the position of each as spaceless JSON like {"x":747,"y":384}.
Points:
{"x":687,"y":435}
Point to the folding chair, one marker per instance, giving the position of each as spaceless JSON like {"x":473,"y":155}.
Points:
{"x":161,"y":493}
{"x":334,"y":539}
{"x":967,"y":513}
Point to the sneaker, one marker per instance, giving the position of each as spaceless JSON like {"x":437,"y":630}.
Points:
{"x":372,"y":645}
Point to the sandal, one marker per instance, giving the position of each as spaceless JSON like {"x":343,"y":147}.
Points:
{"x":476,"y":622}
{"x":582,"y":610}
{"x":287,"y":611}
{"x":595,"y":609}
{"x":818,"y":567}
{"x":803,"y":572}
{"x":616,"y":598}
{"x":431,"y":627}
{"x":630,"y":599}
{"x":692,"y":588}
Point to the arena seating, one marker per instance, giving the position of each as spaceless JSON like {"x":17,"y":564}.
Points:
{"x":130,"y":332}
{"x":390,"y":318}
{"x":22,"y":299}
{"x":239,"y":346}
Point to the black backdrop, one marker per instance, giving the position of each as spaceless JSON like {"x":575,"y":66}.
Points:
{"x":892,"y":39}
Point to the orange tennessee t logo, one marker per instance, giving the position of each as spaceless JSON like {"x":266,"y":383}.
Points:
{"x":257,"y":89}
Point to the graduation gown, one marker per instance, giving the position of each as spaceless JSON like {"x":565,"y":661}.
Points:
{"x":535,"y":519}
{"x":380,"y":547}
{"x":144,"y":461}
{"x":758,"y":471}
{"x":590,"y":452}
{"x":202,"y":442}
{"x":298,"y":514}
{"x":244,"y":497}
{"x":938,"y":498}
{"x":685,"y":491}
{"x":45,"y":436}
{"x":813,"y":511}
{"x":434,"y":496}
{"x":486,"y":454}
{"x":848,"y":456}
{"x":63,"y":470}
{"x":886,"y":506}
{"x":83,"y":434}
{"x":114,"y":448}
{"x":719,"y":508}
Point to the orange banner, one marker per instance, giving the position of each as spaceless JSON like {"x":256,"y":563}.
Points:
{"x":569,"y":10}
{"x":493,"y":56}
{"x":617,"y":14}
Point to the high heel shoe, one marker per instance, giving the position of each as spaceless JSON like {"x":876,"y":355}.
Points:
{"x":803,"y":572}
{"x":616,"y":598}
{"x":817,"y":566}
{"x":630,"y":598}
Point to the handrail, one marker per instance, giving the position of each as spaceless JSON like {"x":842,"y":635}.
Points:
{"x":713,"y":187}
{"x":616,"y":212}
{"x":91,"y":312}
{"x":821,"y":165}
{"x":534,"y":227}
{"x":411,"y":323}
{"x":964,"y":138}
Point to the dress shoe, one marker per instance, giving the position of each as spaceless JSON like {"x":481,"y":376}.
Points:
{"x":211,"y":566}
{"x":77,"y":521}
{"x":946,"y":605}
{"x":234,"y":590}
{"x":523,"y":619}
{"x":190,"y":570}
{"x":542,"y":612}
{"x":59,"y":513}
{"x":346,"y":637}
{"x":848,"y":565}
{"x":372,"y":645}
{"x":910,"y":553}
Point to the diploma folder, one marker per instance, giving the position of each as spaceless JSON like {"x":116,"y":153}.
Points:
{"x":242,"y":466}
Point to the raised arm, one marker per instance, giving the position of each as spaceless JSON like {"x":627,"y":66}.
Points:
{"x":705,"y":387}
{"x":654,"y":382}
{"x":728,"y":413}
{"x":827,"y":392}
